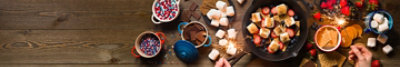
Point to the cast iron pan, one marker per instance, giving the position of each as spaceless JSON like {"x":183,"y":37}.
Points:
{"x":296,"y":43}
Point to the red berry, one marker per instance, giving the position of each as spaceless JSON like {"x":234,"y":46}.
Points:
{"x":290,"y":32}
{"x":359,"y":4}
{"x":256,"y":40}
{"x":346,"y":11}
{"x":317,"y":15}
{"x":274,"y":10}
{"x":313,"y":52}
{"x":281,"y":46}
{"x":343,"y":3}
{"x":324,"y":5}
{"x":273,"y":35}
{"x":291,"y":12}
{"x":265,"y":11}
{"x":375,"y":63}
{"x":309,"y":46}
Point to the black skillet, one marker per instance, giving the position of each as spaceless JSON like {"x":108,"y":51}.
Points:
{"x":297,"y":42}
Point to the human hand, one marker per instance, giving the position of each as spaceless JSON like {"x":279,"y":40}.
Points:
{"x":222,"y":62}
{"x":361,"y":55}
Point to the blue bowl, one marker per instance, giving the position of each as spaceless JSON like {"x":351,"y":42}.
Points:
{"x":369,"y":18}
{"x":186,"y":51}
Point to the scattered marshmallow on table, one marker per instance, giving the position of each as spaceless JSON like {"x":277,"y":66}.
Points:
{"x":231,"y":50}
{"x":221,"y":5}
{"x":371,"y":42}
{"x":230,"y":11}
{"x":223,"y":42}
{"x":240,"y":1}
{"x":213,"y":54}
{"x":232,"y":33}
{"x":224,"y":21}
{"x":220,"y":33}
{"x":387,"y":49}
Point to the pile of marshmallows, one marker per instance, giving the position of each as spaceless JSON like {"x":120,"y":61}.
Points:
{"x":219,"y":17}
{"x":225,"y":41}
{"x":380,"y":22}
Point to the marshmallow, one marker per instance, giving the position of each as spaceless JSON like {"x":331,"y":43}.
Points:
{"x":220,"y":34}
{"x":371,"y":42}
{"x":378,"y":17}
{"x":230,"y":11}
{"x":232,"y":34}
{"x":252,"y":28}
{"x":224,"y":21}
{"x":264,"y":32}
{"x":213,"y":54}
{"x":215,"y":23}
{"x":374,"y":24}
{"x":223,"y":42}
{"x":231,"y":50}
{"x":240,"y":1}
{"x":214,"y":14}
{"x":384,"y":26}
{"x":387,"y":49}
{"x":284,"y":37}
{"x":255,"y":17}
{"x":221,"y":5}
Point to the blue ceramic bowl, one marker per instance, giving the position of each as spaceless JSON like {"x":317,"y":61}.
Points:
{"x":369,"y":18}
{"x":186,"y":51}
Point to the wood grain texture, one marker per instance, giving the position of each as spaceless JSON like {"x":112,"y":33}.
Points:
{"x":101,"y":33}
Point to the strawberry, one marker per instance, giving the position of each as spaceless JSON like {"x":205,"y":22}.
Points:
{"x":346,"y":10}
{"x":324,"y":5}
{"x":290,"y":32}
{"x":274,"y":10}
{"x":317,"y":15}
{"x":309,"y":46}
{"x":291,"y":13}
{"x":270,"y":51}
{"x":281,"y":46}
{"x":313,"y":52}
{"x":359,"y":4}
{"x":375,"y":63}
{"x":343,"y":3}
{"x":257,"y":40}
{"x":265,"y":11}
{"x":273,"y":35}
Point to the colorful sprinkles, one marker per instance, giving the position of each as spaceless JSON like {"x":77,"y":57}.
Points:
{"x":150,"y":46}
{"x":166,"y":9}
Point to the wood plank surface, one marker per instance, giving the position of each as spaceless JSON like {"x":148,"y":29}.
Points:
{"x":101,"y":33}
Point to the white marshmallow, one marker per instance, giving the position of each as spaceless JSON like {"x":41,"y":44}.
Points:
{"x":213,"y":54}
{"x":240,"y":1}
{"x":223,"y":42}
{"x":221,"y":5}
{"x":220,"y":34}
{"x":383,"y":27}
{"x":387,"y":49}
{"x":374,"y":24}
{"x":231,"y":50}
{"x":232,"y":34}
{"x":224,"y":21}
{"x":214,"y":14}
{"x":230,"y":11}
{"x":371,"y":42}
{"x":215,"y":23}
{"x":378,"y":17}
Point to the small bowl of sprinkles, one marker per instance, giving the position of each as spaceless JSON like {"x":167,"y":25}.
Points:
{"x":148,"y":44}
{"x":165,"y":11}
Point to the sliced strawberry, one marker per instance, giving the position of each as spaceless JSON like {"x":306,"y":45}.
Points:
{"x":291,"y":12}
{"x":270,"y":51}
{"x":290,"y":32}
{"x":317,"y":15}
{"x":274,"y":10}
{"x":375,"y":63}
{"x":281,"y":46}
{"x":265,"y":11}
{"x":273,"y":35}
{"x":257,"y":40}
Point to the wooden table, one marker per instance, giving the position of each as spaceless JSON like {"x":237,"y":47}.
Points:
{"x":92,"y":33}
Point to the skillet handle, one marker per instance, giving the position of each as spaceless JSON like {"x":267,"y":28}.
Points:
{"x":236,"y":58}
